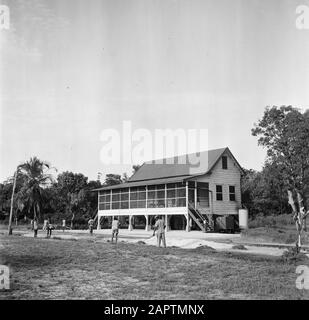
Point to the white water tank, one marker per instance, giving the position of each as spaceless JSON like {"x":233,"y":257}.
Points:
{"x":243,"y":219}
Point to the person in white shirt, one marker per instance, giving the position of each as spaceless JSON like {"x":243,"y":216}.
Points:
{"x":159,"y":229}
{"x":90,"y":224}
{"x":115,"y":229}
{"x":63,"y":225}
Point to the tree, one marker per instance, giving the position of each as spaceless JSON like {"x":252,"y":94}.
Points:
{"x":125,"y":177}
{"x":136,"y":167}
{"x":112,"y":179}
{"x":264,"y":192}
{"x":284,"y":132}
{"x":35,"y":179}
{"x":91,"y":197}
{"x":71,"y":190}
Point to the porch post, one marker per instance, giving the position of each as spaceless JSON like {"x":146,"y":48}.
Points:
{"x":130,"y":223}
{"x":129,"y":198}
{"x":168,"y":224}
{"x":98,"y":203}
{"x":195,"y":194}
{"x":147,"y":227}
{"x":187,"y":195}
{"x":99,"y":224}
{"x":188,"y":229}
{"x":146,"y":197}
{"x":111,"y":202}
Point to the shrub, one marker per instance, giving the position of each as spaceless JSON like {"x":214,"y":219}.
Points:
{"x":293,"y":256}
{"x":271,"y":221}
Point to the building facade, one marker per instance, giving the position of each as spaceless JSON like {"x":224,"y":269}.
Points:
{"x":188,"y":196}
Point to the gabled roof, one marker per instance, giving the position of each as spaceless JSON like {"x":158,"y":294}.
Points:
{"x":179,"y":166}
{"x":175,"y":169}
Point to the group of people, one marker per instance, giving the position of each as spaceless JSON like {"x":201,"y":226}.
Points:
{"x":115,"y":228}
{"x":48,"y":227}
{"x":158,"y":229}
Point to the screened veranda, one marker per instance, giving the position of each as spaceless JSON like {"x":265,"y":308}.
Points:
{"x":155,"y":196}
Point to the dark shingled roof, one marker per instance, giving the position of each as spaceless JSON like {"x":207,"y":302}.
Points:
{"x":178,"y":166}
{"x":174,"y":169}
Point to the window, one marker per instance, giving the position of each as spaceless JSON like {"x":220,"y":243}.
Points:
{"x":224,"y":162}
{"x":156,"y":196}
{"x":232,"y":193}
{"x":104,"y":200}
{"x":219,"y":193}
{"x":176,"y":195}
{"x":138,"y":197}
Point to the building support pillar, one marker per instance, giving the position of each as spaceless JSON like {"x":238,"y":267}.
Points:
{"x":168,"y":222}
{"x":188,"y":226}
{"x":195,"y":194}
{"x":147,"y":227}
{"x":99,"y":223}
{"x":130,"y":223}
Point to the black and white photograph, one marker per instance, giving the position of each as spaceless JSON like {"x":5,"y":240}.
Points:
{"x":154,"y":151}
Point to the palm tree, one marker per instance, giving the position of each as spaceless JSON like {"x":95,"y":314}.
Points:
{"x":36,"y":179}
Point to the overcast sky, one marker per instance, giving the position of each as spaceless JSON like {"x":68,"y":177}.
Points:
{"x":72,"y":68}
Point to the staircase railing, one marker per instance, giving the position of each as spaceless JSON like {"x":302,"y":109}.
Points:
{"x":209,"y":217}
{"x":197,"y":216}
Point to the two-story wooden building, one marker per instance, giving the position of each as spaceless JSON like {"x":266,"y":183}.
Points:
{"x":188,"y":195}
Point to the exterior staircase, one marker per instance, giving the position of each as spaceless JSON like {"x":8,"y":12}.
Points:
{"x":202,"y":218}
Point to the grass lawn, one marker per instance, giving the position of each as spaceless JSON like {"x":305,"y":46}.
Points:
{"x":62,"y":269}
{"x":277,"y":229}
{"x":276,"y":234}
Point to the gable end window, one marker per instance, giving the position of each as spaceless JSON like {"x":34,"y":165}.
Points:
{"x":232,"y":193}
{"x":219,"y":193}
{"x":224,"y":162}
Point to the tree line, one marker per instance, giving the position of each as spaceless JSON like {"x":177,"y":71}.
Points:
{"x":38,"y":195}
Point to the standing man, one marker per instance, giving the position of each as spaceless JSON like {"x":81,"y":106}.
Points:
{"x":159,"y":228}
{"x":46,"y":227}
{"x":90,"y":224}
{"x":63,"y":225}
{"x":50,"y":229}
{"x":35,"y":227}
{"x":115,"y":229}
